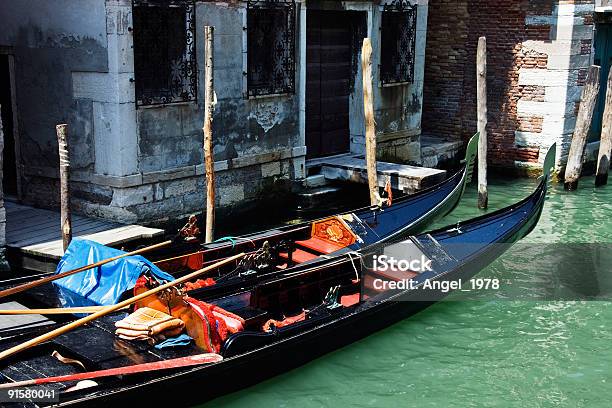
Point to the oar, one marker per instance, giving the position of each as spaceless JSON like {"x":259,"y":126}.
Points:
{"x":134,"y":369}
{"x":80,"y":322}
{"x":59,"y":310}
{"x":42,"y":281}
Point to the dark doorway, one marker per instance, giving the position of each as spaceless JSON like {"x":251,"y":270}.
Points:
{"x":603,"y":58}
{"x":330,"y":70}
{"x":9,"y":170}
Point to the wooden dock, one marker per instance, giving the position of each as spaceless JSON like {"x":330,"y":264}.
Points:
{"x":34,"y":240}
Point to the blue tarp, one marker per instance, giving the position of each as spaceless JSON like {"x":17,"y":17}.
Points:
{"x":105,"y":284}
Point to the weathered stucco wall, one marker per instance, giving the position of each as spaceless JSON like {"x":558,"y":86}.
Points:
{"x":52,"y":39}
{"x":76,"y":65}
{"x":255,"y":141}
{"x":397,"y":108}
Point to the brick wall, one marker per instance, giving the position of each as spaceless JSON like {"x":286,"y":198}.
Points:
{"x":538,"y":52}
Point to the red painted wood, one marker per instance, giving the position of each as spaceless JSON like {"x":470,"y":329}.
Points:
{"x":133,"y":369}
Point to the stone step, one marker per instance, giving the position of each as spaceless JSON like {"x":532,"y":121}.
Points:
{"x":316,"y":180}
{"x":314,"y":197}
{"x":403,"y":177}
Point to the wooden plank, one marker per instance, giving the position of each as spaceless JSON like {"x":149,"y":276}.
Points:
{"x":583,"y":123}
{"x":481,"y":96}
{"x":43,"y":237}
{"x":84,"y":224}
{"x":209,"y":108}
{"x":29,"y":213}
{"x":64,"y":171}
{"x":113,"y":237}
{"x":605,"y":145}
{"x":20,"y":322}
{"x":370,"y":126}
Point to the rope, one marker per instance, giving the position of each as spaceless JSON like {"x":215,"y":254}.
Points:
{"x":234,"y":239}
{"x":353,"y":263}
{"x":64,"y":158}
{"x":230,"y":239}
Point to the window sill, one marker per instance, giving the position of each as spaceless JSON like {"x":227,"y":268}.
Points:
{"x":381,"y":85}
{"x":268,"y":96}
{"x":164,"y":105}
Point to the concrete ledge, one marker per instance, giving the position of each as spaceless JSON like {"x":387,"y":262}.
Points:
{"x":435,"y":152}
{"x":403,"y":177}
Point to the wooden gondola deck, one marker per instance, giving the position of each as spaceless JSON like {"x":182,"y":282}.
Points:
{"x":34,"y":240}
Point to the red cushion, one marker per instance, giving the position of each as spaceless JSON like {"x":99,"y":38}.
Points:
{"x":320,"y":245}
{"x":349,"y":300}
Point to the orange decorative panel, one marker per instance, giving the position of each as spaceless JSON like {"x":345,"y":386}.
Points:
{"x":333,"y":230}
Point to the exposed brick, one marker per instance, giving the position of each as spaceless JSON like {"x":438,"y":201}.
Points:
{"x":449,"y":105}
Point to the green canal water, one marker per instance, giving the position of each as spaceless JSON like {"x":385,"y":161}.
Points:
{"x":489,"y":353}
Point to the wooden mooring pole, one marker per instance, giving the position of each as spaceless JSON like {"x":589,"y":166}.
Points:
{"x":209,"y":108}
{"x":64,"y":171}
{"x":370,"y":125}
{"x":583,"y":123}
{"x":605,"y":144}
{"x":481,"y":96}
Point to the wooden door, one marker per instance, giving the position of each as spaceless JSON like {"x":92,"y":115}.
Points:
{"x":328,"y":71}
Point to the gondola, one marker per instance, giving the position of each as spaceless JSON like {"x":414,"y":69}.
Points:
{"x":342,"y":303}
{"x":322,"y":241}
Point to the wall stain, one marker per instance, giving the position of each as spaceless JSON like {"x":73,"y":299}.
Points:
{"x":268,"y":115}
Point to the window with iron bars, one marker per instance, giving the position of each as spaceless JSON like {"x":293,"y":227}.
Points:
{"x":398,"y":37}
{"x":164,"y":51}
{"x":270,"y":47}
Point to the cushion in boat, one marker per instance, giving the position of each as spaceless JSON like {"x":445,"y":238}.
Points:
{"x":349,"y":300}
{"x":320,"y":245}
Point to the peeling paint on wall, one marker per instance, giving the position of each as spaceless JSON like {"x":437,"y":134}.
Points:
{"x":268,"y":115}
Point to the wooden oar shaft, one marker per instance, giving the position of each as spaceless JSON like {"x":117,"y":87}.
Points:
{"x":42,"y":281}
{"x":77,"y":323}
{"x":138,"y":368}
{"x":58,"y":310}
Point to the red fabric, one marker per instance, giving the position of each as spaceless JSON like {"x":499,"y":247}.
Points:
{"x":285,"y":322}
{"x":349,"y":300}
{"x":233,"y":322}
{"x":320,"y":245}
{"x":213,"y":327}
{"x":140,"y":283}
{"x":195,"y":261}
{"x":200,"y":283}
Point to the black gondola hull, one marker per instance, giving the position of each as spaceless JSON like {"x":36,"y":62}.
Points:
{"x":205,"y":383}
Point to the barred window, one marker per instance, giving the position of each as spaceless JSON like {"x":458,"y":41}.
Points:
{"x":164,"y":51}
{"x":270,"y":47}
{"x":398,"y":37}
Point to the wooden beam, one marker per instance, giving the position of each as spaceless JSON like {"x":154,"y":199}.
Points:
{"x":481,"y":96}
{"x":605,"y":145}
{"x":583,"y":123}
{"x":64,"y":170}
{"x":109,"y":309}
{"x":209,"y":108}
{"x":370,"y":125}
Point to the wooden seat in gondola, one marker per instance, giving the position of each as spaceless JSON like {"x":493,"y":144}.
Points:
{"x":327,"y":236}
